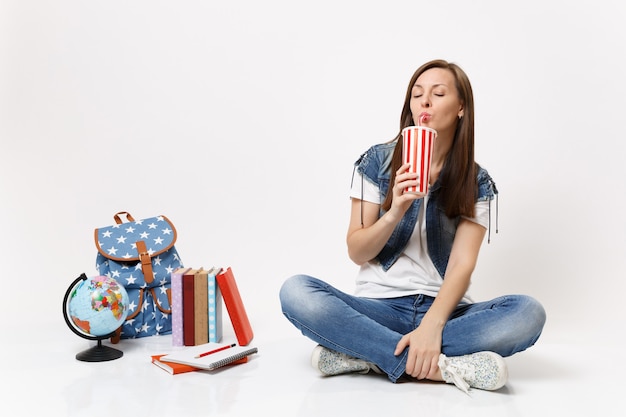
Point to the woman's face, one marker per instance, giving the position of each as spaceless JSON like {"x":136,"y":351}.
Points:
{"x":435,"y":100}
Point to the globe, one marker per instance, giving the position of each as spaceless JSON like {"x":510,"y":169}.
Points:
{"x":94,"y":308}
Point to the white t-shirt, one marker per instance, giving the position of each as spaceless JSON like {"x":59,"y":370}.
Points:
{"x":413,"y":272}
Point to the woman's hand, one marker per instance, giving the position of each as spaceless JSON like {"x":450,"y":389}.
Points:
{"x":424,"y":345}
{"x":401,"y":200}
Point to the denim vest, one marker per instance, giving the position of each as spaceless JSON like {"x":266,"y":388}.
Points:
{"x":375,"y":166}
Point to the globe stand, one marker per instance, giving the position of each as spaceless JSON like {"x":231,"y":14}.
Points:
{"x":99,"y":353}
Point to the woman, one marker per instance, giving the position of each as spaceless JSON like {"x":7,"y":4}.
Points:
{"x":411,"y":315}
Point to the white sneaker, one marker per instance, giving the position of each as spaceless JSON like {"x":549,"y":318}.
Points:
{"x":330,"y":362}
{"x":482,"y":370}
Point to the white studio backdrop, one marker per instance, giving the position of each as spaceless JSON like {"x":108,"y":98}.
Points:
{"x":241,"y":120}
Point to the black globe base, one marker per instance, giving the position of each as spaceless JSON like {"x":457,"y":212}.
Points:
{"x":99,"y":353}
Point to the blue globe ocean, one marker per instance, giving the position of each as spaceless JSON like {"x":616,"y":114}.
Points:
{"x":97,"y":306}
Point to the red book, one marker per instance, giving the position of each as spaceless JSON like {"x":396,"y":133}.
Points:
{"x":234,"y":304}
{"x":172,"y":368}
{"x":189,"y":335}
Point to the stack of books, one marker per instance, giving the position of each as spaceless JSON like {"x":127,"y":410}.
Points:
{"x":197,"y":296}
{"x":197,"y":320}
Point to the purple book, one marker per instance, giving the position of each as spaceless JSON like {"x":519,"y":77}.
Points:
{"x":177,"y":306}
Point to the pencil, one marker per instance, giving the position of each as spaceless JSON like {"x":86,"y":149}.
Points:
{"x":215,"y":350}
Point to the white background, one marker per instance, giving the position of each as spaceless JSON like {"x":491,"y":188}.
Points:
{"x":241,"y":120}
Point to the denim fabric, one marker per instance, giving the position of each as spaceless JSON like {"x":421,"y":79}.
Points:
{"x":369,"y":329}
{"x":374,"y":165}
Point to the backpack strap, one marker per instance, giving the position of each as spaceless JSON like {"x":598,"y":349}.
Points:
{"x":146,"y":262}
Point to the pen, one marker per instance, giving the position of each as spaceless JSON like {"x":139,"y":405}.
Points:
{"x":215,"y":350}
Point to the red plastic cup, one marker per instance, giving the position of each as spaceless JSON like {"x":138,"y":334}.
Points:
{"x":417,"y":150}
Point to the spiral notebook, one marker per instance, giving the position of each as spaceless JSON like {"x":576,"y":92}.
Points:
{"x":209,"y":356}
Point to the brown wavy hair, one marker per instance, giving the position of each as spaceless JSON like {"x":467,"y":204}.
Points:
{"x":459,"y":187}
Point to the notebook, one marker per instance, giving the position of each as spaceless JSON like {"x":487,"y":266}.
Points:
{"x":222,"y":355}
{"x":179,"y":368}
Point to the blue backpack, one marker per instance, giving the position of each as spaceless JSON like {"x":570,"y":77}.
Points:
{"x":140,"y":255}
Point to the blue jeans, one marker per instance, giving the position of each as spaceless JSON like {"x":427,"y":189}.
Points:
{"x":369,"y":329}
